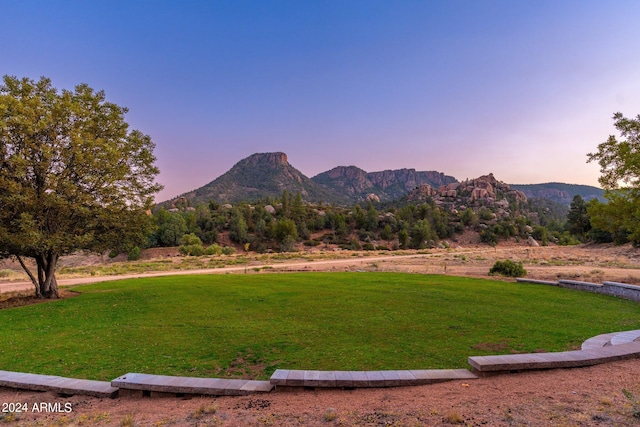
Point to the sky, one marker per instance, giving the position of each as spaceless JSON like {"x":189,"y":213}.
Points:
{"x":521,"y":89}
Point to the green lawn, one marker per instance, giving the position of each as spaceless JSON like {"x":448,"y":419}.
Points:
{"x":247,"y":326}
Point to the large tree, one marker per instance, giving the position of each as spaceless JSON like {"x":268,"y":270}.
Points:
{"x":619,"y":161}
{"x":72,"y":176}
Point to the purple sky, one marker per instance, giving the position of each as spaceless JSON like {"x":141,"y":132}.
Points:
{"x":523,"y":89}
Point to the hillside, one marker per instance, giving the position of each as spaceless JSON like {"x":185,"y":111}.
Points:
{"x":258,"y":176}
{"x":386,"y":185}
{"x":559,"y":192}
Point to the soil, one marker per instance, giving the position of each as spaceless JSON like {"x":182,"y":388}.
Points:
{"x":592,"y":396}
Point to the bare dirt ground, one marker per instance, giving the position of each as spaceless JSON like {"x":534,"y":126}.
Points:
{"x":590,"y":396}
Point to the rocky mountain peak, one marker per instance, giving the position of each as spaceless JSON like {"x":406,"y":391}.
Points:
{"x":264,"y":160}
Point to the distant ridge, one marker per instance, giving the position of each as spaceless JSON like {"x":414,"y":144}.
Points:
{"x":560,"y":192}
{"x":386,"y":185}
{"x":263,"y":175}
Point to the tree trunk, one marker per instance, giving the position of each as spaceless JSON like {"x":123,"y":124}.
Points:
{"x":46,"y":285}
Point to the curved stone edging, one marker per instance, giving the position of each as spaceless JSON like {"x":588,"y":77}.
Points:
{"x":600,"y":349}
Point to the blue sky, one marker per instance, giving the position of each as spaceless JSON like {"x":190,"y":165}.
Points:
{"x":523,"y":89}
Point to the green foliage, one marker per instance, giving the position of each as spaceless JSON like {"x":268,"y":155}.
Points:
{"x":619,"y":162}
{"x":468,"y":217}
{"x":286,"y":228}
{"x":422,"y":235}
{"x":403,"y":238}
{"x":228,"y":250}
{"x":134,"y":254}
{"x":72,"y":175}
{"x":238,"y":227}
{"x":541,"y":234}
{"x":169,"y":228}
{"x":488,"y":236}
{"x":485,"y":214}
{"x":508,"y":268}
{"x":288,"y":244}
{"x":567,"y":239}
{"x":387,"y":233}
{"x":578,"y":221}
{"x":190,"y":239}
{"x":214,"y":249}
{"x":190,"y":244}
{"x":192,"y":250}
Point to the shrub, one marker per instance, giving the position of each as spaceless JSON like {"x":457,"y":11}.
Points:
{"x":541,"y":234}
{"x":488,"y":236}
{"x":214,"y":249}
{"x":288,"y":244}
{"x":567,"y":239}
{"x":312,"y":242}
{"x":368,"y":247}
{"x":508,"y":268}
{"x":193,"y":250}
{"x":190,"y":239}
{"x":228,"y":250}
{"x":134,"y":254}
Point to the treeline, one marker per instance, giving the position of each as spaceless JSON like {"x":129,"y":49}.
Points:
{"x":616,"y":221}
{"x":280,"y":224}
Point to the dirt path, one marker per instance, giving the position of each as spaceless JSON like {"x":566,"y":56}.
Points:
{"x":594,"y":264}
{"x":286,"y":266}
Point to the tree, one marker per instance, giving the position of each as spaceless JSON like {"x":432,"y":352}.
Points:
{"x":238,"y":227}
{"x":578,"y":222}
{"x":619,"y":162}
{"x":285,"y":228}
{"x":421,"y":234}
{"x":72,"y":176}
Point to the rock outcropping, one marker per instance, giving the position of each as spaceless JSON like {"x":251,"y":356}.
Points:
{"x":386,"y":185}
{"x":483,"y":191}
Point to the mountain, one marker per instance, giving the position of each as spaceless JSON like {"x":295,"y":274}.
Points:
{"x":387,"y":185}
{"x":269,"y":174}
{"x":261,"y":175}
{"x":559,"y":192}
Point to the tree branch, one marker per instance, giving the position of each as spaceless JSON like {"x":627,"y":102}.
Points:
{"x":33,"y":279}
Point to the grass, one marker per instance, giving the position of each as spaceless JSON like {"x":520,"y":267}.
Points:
{"x":248,"y":326}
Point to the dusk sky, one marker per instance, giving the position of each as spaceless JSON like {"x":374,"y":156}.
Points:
{"x":523,"y":89}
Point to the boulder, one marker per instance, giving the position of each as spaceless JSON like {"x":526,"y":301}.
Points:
{"x":373,"y":198}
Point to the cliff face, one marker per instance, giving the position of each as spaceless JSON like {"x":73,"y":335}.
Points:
{"x":350,"y":180}
{"x":385,"y":185}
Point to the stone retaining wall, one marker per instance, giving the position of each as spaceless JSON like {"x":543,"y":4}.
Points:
{"x":620,"y":290}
